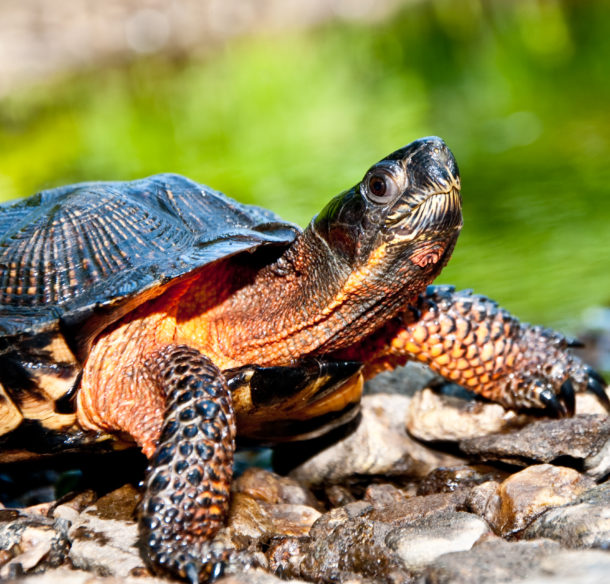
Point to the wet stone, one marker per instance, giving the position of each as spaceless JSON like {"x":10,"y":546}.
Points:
{"x":447,"y":480}
{"x":583,"y":440}
{"x":355,"y":546}
{"x":442,"y":417}
{"x":103,"y":545}
{"x":31,"y":542}
{"x":494,"y":561}
{"x":338,"y":495}
{"x":530,"y":492}
{"x":378,"y":446}
{"x":573,"y":567}
{"x":382,"y":495}
{"x":420,"y":542}
{"x":35,"y":545}
{"x":583,"y":522}
{"x":119,"y":504}
{"x":415,"y":508}
{"x":483,"y":498}
{"x":255,"y":577}
{"x":67,"y":576}
{"x":269,"y":487}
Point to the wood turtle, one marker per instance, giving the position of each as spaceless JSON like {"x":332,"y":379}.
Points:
{"x":161,"y":313}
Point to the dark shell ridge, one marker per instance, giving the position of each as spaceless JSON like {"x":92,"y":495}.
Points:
{"x":67,"y":250}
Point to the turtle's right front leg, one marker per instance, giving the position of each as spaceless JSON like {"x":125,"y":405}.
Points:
{"x":187,"y":487}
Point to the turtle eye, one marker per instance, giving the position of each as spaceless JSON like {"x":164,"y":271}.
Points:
{"x":380,"y":186}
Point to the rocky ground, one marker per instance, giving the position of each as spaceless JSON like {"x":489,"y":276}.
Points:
{"x":433,"y":486}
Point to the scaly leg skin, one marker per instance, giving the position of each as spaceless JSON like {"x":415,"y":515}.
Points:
{"x":468,"y":339}
{"x":188,"y":482}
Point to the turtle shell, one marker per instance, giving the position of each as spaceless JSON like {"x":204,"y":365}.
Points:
{"x":76,"y":258}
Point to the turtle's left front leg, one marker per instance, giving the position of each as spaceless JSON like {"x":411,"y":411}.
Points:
{"x":187,"y":488}
{"x":468,"y":339}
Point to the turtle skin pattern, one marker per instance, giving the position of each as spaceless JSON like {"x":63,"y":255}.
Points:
{"x":469,"y":339}
{"x":188,"y":481}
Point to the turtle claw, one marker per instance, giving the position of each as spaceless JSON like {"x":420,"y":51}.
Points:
{"x":566,"y":393}
{"x":218,"y":570}
{"x":597,"y":386}
{"x":192,"y":573}
{"x":552,"y":404}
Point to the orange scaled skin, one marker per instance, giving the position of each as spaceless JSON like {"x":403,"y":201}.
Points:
{"x":234,"y":315}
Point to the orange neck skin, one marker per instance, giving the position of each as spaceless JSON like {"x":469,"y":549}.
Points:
{"x":302,"y":304}
{"x":237,"y":313}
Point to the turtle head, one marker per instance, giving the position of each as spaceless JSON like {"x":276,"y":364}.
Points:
{"x":402,"y":220}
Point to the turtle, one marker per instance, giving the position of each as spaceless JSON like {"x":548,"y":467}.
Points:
{"x":159,"y":313}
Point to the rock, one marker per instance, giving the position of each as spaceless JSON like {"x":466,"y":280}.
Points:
{"x":328,"y":521}
{"x":528,"y":493}
{"x":255,"y":577}
{"x":355,"y":546}
{"x":416,"y":508}
{"x":494,"y":561}
{"x":248,"y":520}
{"x":293,"y":520}
{"x":583,"y":439}
{"x":483,"y":498}
{"x":30,"y":542}
{"x":573,"y":567}
{"x":119,"y":504}
{"x":269,"y":487}
{"x":66,"y":576}
{"x":583,"y":522}
{"x":380,"y":496}
{"x":35,"y":543}
{"x":434,"y":417}
{"x":338,"y":495}
{"x":379,"y":446}
{"x":104,"y":546}
{"x":447,"y":480}
{"x":419,"y":543}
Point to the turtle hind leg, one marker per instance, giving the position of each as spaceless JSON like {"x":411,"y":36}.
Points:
{"x":187,"y":486}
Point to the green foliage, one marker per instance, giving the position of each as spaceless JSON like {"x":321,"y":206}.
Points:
{"x":519,"y":90}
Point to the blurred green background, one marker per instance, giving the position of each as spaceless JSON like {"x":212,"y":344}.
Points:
{"x":519,"y":90}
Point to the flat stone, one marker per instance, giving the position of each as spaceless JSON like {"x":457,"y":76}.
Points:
{"x":419,"y":543}
{"x":35,"y":543}
{"x":483,"y":498}
{"x":528,"y":493}
{"x":269,"y":487}
{"x":255,"y":576}
{"x":583,"y":439}
{"x":583,"y":522}
{"x":495,"y":561}
{"x":416,"y":508}
{"x":105,"y":546}
{"x":356,"y":546}
{"x":438,"y":417}
{"x":292,"y":520}
{"x":382,"y":495}
{"x":67,"y":576}
{"x":379,"y":446}
{"x":119,"y":504}
{"x":573,"y":567}
{"x":447,"y":480}
{"x":248,"y":519}
{"x":29,"y":542}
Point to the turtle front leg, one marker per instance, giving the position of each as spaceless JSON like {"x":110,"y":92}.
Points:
{"x":187,"y":487}
{"x":470,"y":340}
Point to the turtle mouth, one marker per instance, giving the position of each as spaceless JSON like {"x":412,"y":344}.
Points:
{"x":438,"y":212}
